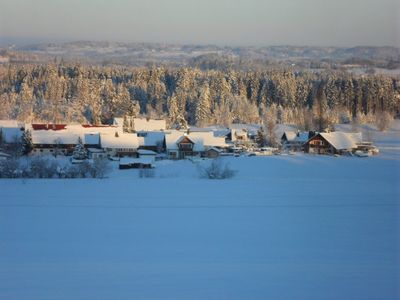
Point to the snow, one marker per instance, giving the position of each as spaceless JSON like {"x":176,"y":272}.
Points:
{"x":11,"y":124}
{"x":146,"y":152}
{"x":285,"y":227}
{"x":10,"y":135}
{"x":120,"y":141}
{"x":201,"y":140}
{"x":342,"y":140}
{"x":50,"y":137}
{"x":290,"y":135}
{"x":151,"y":138}
{"x":143,"y":124}
{"x":141,"y":160}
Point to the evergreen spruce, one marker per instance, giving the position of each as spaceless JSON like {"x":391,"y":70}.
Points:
{"x":26,"y":142}
{"x":80,"y":152}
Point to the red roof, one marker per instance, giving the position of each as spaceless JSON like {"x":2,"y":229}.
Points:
{"x":48,"y":126}
{"x":98,"y":126}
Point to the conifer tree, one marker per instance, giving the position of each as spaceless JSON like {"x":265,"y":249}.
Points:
{"x":80,"y":152}
{"x":203,"y":107}
{"x":26,"y":142}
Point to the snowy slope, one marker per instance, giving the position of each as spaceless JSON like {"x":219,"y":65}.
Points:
{"x":286,"y":227}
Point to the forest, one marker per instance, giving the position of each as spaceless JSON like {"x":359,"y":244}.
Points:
{"x":60,"y":92}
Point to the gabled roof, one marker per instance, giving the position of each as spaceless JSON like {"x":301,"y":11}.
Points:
{"x":302,"y":137}
{"x":123,"y":140}
{"x":342,"y":140}
{"x":151,"y":138}
{"x":289,"y":135}
{"x":200,"y":140}
{"x":183,"y":138}
{"x":51,"y":137}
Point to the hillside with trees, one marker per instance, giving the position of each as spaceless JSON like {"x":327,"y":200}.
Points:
{"x":70,"y":92}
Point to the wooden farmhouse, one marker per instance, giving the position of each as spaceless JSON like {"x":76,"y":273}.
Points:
{"x":333,"y":143}
{"x":181,"y":144}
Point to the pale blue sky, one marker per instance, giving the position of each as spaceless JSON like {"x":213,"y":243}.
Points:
{"x":222,"y":22}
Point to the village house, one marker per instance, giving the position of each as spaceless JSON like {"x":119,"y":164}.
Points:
{"x":119,"y":144}
{"x":333,"y":143}
{"x":183,"y":144}
{"x":295,"y":141}
{"x":54,"y":142}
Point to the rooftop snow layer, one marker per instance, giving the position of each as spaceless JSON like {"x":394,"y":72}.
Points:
{"x":342,"y":140}
{"x":201,"y":140}
{"x":122,"y":140}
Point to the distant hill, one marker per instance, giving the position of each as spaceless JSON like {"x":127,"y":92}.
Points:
{"x":210,"y":56}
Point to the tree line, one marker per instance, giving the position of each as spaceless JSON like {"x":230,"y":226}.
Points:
{"x":63,"y":93}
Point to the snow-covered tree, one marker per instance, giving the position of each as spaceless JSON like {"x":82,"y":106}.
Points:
{"x":80,"y":152}
{"x":26,"y":142}
{"x":203,"y":107}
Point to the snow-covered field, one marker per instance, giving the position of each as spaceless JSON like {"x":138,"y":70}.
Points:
{"x":285,"y":227}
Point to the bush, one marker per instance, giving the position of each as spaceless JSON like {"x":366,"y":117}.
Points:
{"x":217,"y":170}
{"x":100,"y":168}
{"x":10,"y":168}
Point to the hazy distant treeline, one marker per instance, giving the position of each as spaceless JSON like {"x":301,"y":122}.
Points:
{"x":90,"y":94}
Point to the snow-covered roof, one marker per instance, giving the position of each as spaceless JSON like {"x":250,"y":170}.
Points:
{"x":201,"y":140}
{"x":143,"y":124}
{"x":93,"y":129}
{"x":91,"y":138}
{"x":342,"y":140}
{"x":250,"y":128}
{"x":151,"y":138}
{"x":11,"y":134}
{"x":50,"y":137}
{"x":290,"y":135}
{"x":122,"y":140}
{"x":302,"y":137}
{"x":296,"y":137}
{"x":11,"y":124}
